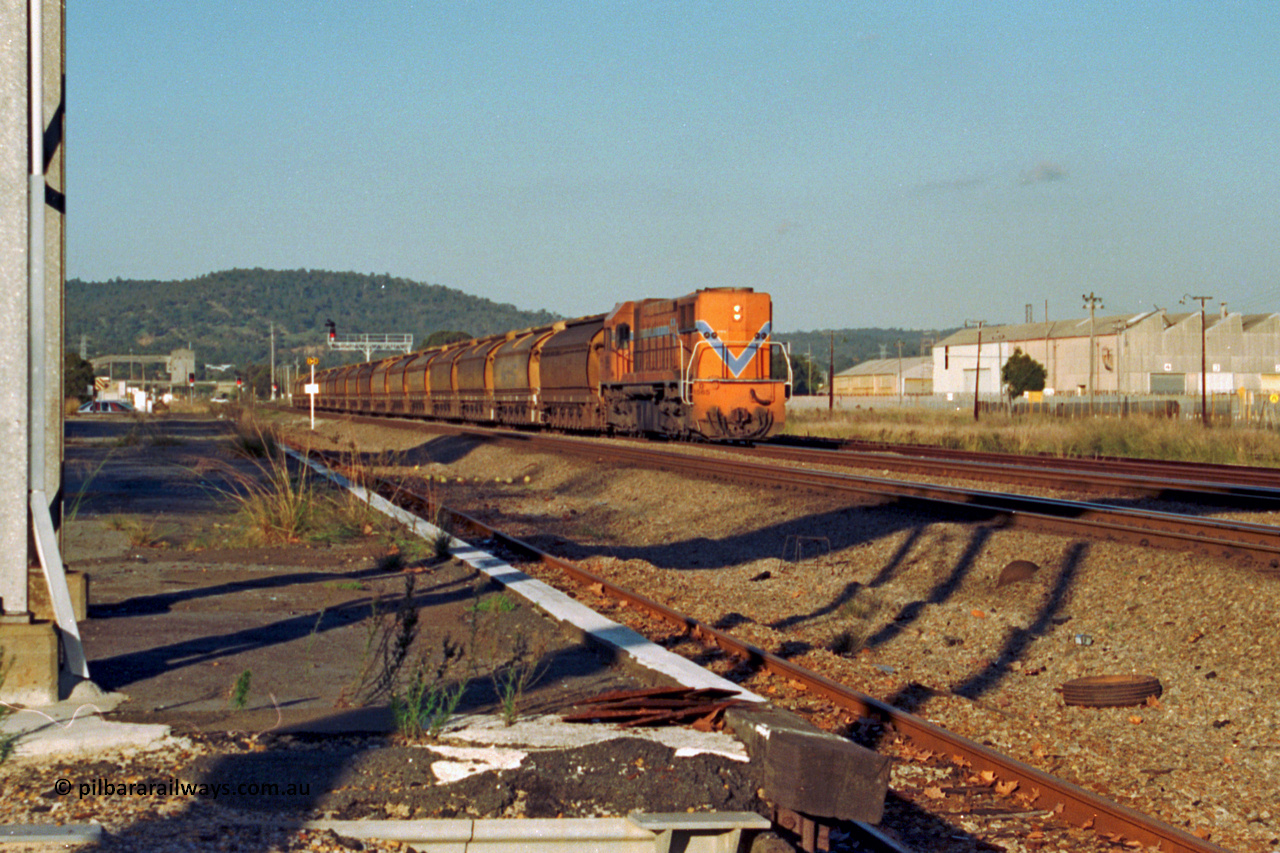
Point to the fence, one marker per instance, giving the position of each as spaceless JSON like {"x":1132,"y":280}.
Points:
{"x":1252,"y":408}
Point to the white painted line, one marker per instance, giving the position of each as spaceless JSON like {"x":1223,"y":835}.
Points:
{"x":553,"y":601}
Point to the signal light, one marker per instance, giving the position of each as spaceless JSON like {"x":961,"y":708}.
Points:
{"x":191,"y":379}
{"x":333,"y":330}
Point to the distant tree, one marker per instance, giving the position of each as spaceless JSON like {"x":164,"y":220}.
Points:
{"x":257,"y":380}
{"x":77,"y":377}
{"x":442,"y":337}
{"x":1022,"y":373}
{"x":806,"y":375}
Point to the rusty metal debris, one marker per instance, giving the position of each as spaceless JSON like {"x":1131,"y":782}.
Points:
{"x":701,"y":708}
{"x":1107,"y":691}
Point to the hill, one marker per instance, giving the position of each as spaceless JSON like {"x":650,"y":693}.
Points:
{"x":854,"y":346}
{"x":226,"y":316}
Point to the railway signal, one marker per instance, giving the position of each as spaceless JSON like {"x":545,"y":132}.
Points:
{"x":312,"y":388}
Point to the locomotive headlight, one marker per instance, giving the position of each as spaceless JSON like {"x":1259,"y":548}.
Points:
{"x":737,"y":312}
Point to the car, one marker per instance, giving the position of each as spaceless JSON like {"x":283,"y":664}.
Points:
{"x":221,"y":398}
{"x":106,"y":407}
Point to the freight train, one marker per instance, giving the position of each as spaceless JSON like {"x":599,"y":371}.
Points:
{"x":697,"y":367}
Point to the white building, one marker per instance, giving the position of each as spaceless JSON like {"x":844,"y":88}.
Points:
{"x":1132,"y":354}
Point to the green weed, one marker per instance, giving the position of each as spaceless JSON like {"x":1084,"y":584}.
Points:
{"x":239,"y":694}
{"x":387,"y":644}
{"x":431,"y":697}
{"x":78,"y":498}
{"x":141,"y":534}
{"x":513,"y":680}
{"x":499,"y":603}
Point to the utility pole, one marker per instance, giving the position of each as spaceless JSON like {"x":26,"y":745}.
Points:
{"x":1204,"y":406}
{"x":899,"y":374}
{"x":1091,"y":302}
{"x":273,"y":361}
{"x":977,"y":373}
{"x":831,"y":375}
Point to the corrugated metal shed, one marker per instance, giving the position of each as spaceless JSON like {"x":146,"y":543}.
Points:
{"x":915,"y":366}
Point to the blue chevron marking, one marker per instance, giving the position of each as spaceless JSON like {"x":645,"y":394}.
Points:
{"x":735,"y":363}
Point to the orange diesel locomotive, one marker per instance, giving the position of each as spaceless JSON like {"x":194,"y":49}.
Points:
{"x":694,"y":367}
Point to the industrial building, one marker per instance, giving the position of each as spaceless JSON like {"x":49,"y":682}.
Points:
{"x":1152,"y":353}
{"x":887,"y":377}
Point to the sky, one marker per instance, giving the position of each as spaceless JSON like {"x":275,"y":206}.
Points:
{"x":910,"y":165}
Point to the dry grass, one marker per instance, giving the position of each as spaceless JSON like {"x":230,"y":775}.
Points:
{"x":1137,"y":436}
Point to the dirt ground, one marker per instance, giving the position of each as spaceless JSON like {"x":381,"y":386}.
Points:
{"x":180,"y":609}
{"x":183,"y":608}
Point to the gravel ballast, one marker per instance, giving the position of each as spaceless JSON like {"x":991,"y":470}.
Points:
{"x":910,"y":609}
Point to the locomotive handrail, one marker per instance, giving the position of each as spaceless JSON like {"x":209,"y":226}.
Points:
{"x":687,"y":381}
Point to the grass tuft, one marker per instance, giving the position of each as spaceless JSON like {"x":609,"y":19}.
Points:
{"x":239,"y":694}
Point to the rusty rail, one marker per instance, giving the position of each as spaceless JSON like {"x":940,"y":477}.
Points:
{"x":1157,"y":469}
{"x":1251,"y":545}
{"x":1254,"y":490}
{"x":1255,"y":545}
{"x":1073,"y":803}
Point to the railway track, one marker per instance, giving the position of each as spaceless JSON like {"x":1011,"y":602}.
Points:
{"x":1206,"y":474}
{"x":1255,"y":546}
{"x":1233,"y":486}
{"x":1114,"y":824}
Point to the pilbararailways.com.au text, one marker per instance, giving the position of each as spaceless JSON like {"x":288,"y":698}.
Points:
{"x":176,"y":788}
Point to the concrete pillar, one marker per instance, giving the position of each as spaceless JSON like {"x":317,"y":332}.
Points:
{"x":54,"y":246}
{"x":14,"y":425}
{"x":30,"y":649}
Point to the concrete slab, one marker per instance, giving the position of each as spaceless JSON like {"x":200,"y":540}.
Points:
{"x":76,"y":727}
{"x":550,"y":732}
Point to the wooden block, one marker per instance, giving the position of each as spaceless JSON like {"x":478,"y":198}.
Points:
{"x":811,"y":771}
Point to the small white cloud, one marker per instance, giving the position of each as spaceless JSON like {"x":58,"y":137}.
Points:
{"x":1043,"y":172}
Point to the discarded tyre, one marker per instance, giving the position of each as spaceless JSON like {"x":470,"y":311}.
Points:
{"x":1108,"y":691}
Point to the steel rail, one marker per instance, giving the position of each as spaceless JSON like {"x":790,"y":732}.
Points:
{"x":1040,"y":472}
{"x":1072,"y":802}
{"x":1256,"y":545}
{"x":1199,"y":472}
{"x":1250,"y":545}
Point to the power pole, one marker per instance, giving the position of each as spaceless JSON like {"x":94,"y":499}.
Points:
{"x":977,"y":373}
{"x":1204,"y":406}
{"x":899,"y":374}
{"x":273,"y":361}
{"x":1091,"y":301}
{"x":831,"y":375}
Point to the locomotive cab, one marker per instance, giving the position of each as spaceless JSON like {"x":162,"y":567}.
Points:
{"x":697,"y":366}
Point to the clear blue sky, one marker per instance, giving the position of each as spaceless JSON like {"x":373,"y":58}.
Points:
{"x":869,"y":164}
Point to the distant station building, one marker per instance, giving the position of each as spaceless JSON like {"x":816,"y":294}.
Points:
{"x":1153,"y":353}
{"x":178,"y":364}
{"x":883,"y":377}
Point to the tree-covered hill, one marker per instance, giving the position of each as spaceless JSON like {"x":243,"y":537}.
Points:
{"x":854,"y":346}
{"x":226,"y":316}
